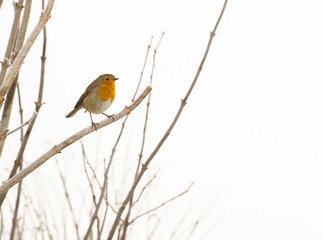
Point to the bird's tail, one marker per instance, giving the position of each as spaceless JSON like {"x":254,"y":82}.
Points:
{"x":72,"y":113}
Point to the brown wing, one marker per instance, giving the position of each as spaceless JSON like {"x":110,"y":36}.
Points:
{"x":80,"y":101}
{"x":90,"y":88}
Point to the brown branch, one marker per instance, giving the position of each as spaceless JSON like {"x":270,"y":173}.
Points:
{"x":143,"y":190}
{"x":77,"y":136}
{"x":68,"y":201}
{"x":126,"y":223}
{"x":145,"y":165}
{"x":18,"y":161}
{"x":162,"y":204}
{"x":21,"y":111}
{"x":14,"y":69}
{"x":23,"y":124}
{"x":85,"y":161}
{"x":143,"y":68}
{"x":19,"y":41}
{"x":11,"y":41}
{"x":23,"y":28}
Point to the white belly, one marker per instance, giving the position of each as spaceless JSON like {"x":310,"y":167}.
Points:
{"x":97,"y":108}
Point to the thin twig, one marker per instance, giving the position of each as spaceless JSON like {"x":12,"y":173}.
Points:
{"x":161,"y":205}
{"x":14,"y":69}
{"x":11,"y":41}
{"x":143,"y":69}
{"x":23,"y":124}
{"x":155,"y":227}
{"x":76,"y":226}
{"x":21,"y":111}
{"x":100,"y":231}
{"x":15,"y":214}
{"x":85,"y":160}
{"x":145,"y":165}
{"x":77,"y":136}
{"x":125,"y":226}
{"x":143,"y":190}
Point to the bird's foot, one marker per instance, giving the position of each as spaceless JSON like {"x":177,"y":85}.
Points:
{"x":95,"y":125}
{"x":109,"y":116}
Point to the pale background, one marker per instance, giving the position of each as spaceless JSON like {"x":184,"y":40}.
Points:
{"x":252,"y":127}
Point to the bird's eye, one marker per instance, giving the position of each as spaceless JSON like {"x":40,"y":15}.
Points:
{"x":107,"y":78}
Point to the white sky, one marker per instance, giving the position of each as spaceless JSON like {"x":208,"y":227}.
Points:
{"x":253,"y":121}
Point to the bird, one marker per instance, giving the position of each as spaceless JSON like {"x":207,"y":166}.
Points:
{"x":97,"y":98}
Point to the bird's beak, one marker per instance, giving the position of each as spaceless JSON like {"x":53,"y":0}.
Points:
{"x":116,"y":79}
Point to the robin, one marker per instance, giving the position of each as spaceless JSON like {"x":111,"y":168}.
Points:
{"x":98,"y":97}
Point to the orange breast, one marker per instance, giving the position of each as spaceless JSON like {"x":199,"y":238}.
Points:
{"x":107,"y":90}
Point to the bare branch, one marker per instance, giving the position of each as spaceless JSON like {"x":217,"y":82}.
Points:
{"x":22,"y":125}
{"x":143,"y":68}
{"x":143,"y":189}
{"x":85,"y":161}
{"x":12,"y":38}
{"x":9,"y":100}
{"x":14,"y":69}
{"x":68,"y":201}
{"x":19,"y":41}
{"x":161,"y":205}
{"x":125,"y":226}
{"x":58,"y":148}
{"x":145,"y":165}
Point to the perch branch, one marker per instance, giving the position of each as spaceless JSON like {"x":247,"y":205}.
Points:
{"x":58,"y":148}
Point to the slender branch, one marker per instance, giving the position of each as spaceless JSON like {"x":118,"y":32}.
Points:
{"x":11,"y":41}
{"x":125,"y":226}
{"x":145,"y":165}
{"x":143,"y":190}
{"x":19,"y":41}
{"x":162,"y":204}
{"x":21,"y":111}
{"x":58,"y":148}
{"x":5,"y":119}
{"x":23,"y":124}
{"x":85,"y":161}
{"x":14,"y":69}
{"x":68,"y":201}
{"x":143,"y":69}
{"x":25,"y":139}
{"x":22,"y":28}
{"x":15,"y":214}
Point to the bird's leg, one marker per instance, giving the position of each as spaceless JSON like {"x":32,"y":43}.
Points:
{"x":93,"y":123}
{"x":109,"y":116}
